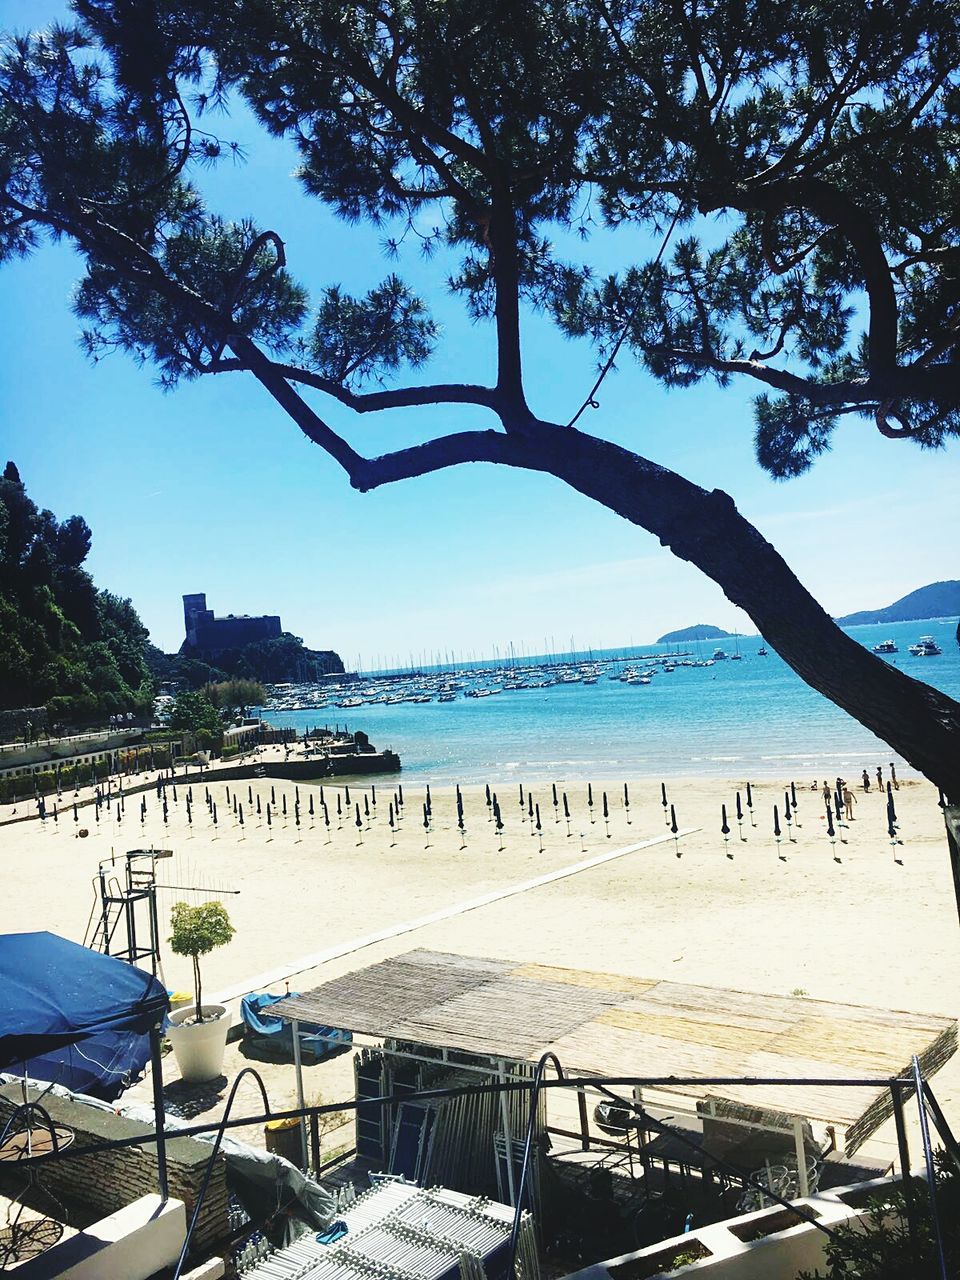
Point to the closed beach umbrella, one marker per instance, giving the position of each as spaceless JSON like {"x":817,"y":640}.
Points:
{"x":240,"y":814}
{"x":426,"y":818}
{"x":891,"y":808}
{"x":390,"y":815}
{"x":530,"y":805}
{"x":322,"y":801}
{"x":273,"y":798}
{"x":339,"y":807}
{"x":284,"y":804}
{"x":538,"y":818}
{"x":521,"y":795}
{"x":489,"y":801}
{"x":429,"y":801}
{"x":258,"y":805}
{"x":75,"y":815}
{"x":739,"y":809}
{"x":724,"y":825}
{"x":673,"y":820}
{"x":606,"y":807}
{"x":249,"y":795}
{"x":830,"y":828}
{"x":400,"y":794}
{"x":793,"y":793}
{"x":556,"y":799}
{"x":566,"y":807}
{"x":346,"y":795}
{"x":373,"y":794}
{"x":214,"y":812}
{"x":296,"y":794}
{"x":269,"y":817}
{"x":776,"y":822}
{"x":590,"y":795}
{"x":310,"y":805}
{"x":366,"y":807}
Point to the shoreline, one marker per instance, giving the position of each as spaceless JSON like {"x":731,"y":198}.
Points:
{"x":857,"y":920}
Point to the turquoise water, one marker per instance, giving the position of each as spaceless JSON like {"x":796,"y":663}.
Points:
{"x":751,"y":718}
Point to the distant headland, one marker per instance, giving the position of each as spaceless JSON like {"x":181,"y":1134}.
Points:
{"x":699,"y":631}
{"x":937,"y":600}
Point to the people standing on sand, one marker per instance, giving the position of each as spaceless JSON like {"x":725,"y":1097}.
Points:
{"x":849,"y":800}
{"x":893,"y":776}
{"x":827,"y":793}
{"x":879,"y":777}
{"x":866,"y":780}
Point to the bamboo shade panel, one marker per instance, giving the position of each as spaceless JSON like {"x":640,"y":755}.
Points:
{"x":603,"y":1024}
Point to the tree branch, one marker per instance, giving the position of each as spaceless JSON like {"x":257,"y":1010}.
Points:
{"x":838,"y":210}
{"x":375,"y":401}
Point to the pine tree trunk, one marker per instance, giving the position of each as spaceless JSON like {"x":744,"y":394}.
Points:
{"x":705,"y":528}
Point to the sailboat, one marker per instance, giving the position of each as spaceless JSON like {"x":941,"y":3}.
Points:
{"x":738,"y":656}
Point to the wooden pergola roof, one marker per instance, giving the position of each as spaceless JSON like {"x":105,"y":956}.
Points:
{"x":608,"y":1025}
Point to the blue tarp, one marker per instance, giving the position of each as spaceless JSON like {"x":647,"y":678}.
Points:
{"x":275,"y":1035}
{"x":55,"y":994}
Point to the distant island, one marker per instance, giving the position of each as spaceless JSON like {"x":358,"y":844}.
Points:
{"x":700,"y":631}
{"x":938,"y":600}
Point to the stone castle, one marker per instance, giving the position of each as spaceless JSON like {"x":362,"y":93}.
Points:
{"x":214,"y":635}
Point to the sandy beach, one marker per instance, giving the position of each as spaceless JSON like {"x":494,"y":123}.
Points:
{"x":858,"y":920}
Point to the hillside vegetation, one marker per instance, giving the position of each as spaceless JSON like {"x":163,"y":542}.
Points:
{"x":64,"y":643}
{"x":936,"y":600}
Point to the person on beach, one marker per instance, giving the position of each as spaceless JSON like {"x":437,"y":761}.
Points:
{"x":849,"y":800}
{"x":879,"y":777}
{"x":893,"y":776}
{"x":827,"y":793}
{"x":866,"y":780}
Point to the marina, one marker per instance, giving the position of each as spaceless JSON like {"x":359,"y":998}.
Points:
{"x":645,"y":711}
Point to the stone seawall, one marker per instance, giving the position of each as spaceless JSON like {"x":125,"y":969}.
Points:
{"x":333,"y":766}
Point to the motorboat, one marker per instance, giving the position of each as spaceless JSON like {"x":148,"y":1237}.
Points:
{"x":926,"y":647}
{"x":719,"y":655}
{"x":762,"y":651}
{"x":886,"y":646}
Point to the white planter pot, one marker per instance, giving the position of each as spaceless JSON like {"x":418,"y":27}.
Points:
{"x":199,"y":1047}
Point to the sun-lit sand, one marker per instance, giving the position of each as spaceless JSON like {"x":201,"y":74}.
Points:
{"x":859,"y":921}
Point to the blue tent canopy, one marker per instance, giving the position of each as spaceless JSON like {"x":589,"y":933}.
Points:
{"x":55,"y":993}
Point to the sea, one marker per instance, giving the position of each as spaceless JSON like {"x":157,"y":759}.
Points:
{"x":748,"y":719}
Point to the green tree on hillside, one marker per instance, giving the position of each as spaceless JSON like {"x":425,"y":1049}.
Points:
{"x":797,"y":164}
{"x":63,"y":643}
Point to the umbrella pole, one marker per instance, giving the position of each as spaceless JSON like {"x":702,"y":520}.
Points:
{"x":156,"y":1072}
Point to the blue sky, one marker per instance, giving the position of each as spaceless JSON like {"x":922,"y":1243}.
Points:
{"x":210,"y":488}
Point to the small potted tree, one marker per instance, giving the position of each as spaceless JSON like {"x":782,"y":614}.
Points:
{"x":198,"y":1033}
